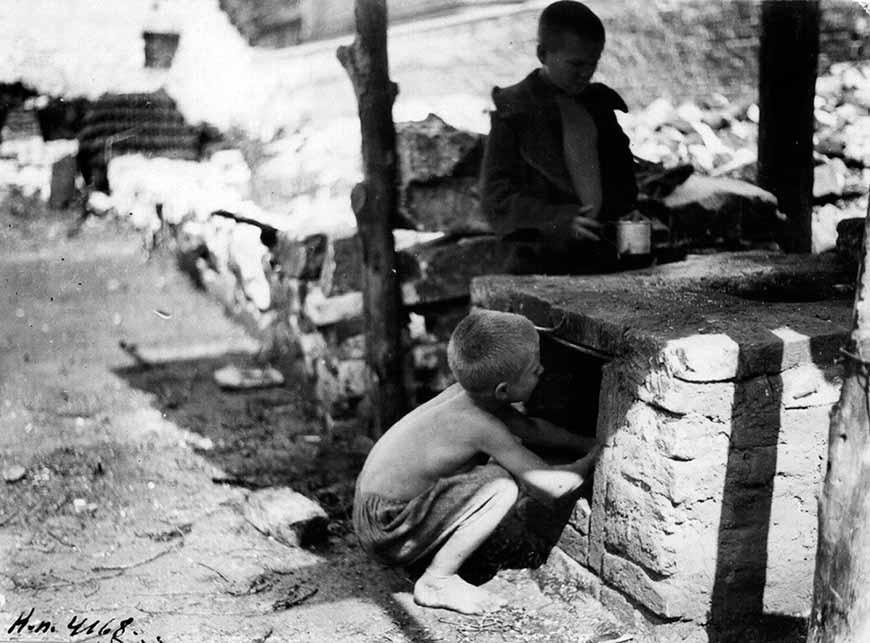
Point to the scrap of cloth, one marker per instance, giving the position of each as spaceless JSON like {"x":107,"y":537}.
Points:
{"x":407,"y":533}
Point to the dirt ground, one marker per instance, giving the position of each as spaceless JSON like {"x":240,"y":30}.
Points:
{"x":129,"y":513}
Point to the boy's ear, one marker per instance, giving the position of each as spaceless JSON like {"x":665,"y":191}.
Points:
{"x":541,"y":52}
{"x":501,"y":391}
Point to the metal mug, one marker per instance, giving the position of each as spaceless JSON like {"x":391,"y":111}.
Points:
{"x":633,"y":238}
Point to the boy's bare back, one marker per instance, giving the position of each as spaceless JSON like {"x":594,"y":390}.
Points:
{"x":441,"y":438}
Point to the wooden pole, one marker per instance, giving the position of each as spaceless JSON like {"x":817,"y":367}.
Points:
{"x":788,"y":61}
{"x":841,"y":591}
{"x":374,"y":203}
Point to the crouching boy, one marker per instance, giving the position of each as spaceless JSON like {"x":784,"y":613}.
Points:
{"x":443,"y":478}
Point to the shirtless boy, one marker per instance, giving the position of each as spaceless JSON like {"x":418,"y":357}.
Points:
{"x":424,"y":490}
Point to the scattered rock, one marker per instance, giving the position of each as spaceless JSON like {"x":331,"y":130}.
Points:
{"x":287,"y":516}
{"x":829,"y":179}
{"x":826,"y":220}
{"x":441,"y":270}
{"x":14,"y":473}
{"x":850,"y":243}
{"x":235,"y":378}
{"x":199,"y":442}
{"x":300,"y":258}
{"x":323,"y":311}
{"x":857,"y":141}
{"x":246,"y":254}
{"x":63,"y":182}
{"x":449,"y":205}
{"x":99,"y":203}
{"x":80,"y":505}
{"x":342,"y":266}
{"x":706,"y":209}
{"x":432,"y":149}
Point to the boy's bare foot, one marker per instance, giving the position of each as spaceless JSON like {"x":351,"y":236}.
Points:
{"x":453,"y":593}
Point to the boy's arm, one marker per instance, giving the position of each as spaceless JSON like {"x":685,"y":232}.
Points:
{"x":540,"y":433}
{"x":503,"y":202}
{"x":554,"y":481}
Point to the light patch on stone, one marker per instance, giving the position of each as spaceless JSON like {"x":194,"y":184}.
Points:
{"x":703,"y":358}
{"x":323,"y":311}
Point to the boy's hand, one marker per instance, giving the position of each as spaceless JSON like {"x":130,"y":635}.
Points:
{"x":584,"y":227}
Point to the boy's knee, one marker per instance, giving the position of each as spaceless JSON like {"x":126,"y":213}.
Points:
{"x":502,"y":491}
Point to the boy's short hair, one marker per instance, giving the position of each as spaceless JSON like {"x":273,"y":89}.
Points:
{"x":568,"y":16}
{"x":489,"y":347}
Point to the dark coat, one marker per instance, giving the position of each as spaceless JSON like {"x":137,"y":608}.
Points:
{"x":525,"y":186}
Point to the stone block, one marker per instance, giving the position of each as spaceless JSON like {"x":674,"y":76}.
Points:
{"x":63,"y":182}
{"x":429,"y":357}
{"x":808,"y":385}
{"x":639,"y":524}
{"x":246,"y":256}
{"x":300,"y":258}
{"x":703,"y":358}
{"x":342,"y":270}
{"x":857,"y":138}
{"x":803,"y":439}
{"x":353,"y":347}
{"x":353,"y":377}
{"x":561,"y":574}
{"x":791,"y":549}
{"x":287,"y":516}
{"x":663,"y":597}
{"x":324,"y":311}
{"x":449,"y":205}
{"x":680,"y":397}
{"x":690,"y":437}
{"x":442,"y":270}
{"x":829,"y":179}
{"x":286,"y":292}
{"x":328,"y":390}
{"x":313,"y":348}
{"x":580,"y":515}
{"x":575,"y":544}
{"x":850,"y":243}
{"x":705,"y":210}
{"x":432,"y":149}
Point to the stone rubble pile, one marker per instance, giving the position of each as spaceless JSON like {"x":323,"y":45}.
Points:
{"x":719,"y":140}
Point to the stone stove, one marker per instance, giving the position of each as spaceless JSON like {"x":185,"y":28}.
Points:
{"x":714,"y":401}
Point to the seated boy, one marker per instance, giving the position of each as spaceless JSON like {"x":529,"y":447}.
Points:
{"x":557,"y":164}
{"x":440,"y":481}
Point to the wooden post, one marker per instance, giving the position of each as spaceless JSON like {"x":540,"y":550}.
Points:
{"x":788,"y":61}
{"x":374,"y":203}
{"x":841,"y":592}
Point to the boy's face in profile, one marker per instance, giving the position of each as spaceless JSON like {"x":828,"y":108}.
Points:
{"x":520,"y":388}
{"x":572,"y":63}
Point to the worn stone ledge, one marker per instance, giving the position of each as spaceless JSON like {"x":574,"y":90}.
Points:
{"x":677,"y":314}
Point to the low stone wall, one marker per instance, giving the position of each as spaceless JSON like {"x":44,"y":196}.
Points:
{"x":714,"y":415}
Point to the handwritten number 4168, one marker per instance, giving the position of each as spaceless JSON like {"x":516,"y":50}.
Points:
{"x":80,"y":626}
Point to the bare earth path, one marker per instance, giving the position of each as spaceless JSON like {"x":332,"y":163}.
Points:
{"x":135,"y":474}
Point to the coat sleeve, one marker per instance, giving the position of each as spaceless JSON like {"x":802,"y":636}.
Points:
{"x":621,"y":189}
{"x":505,"y":203}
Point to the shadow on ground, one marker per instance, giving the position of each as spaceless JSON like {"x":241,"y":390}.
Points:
{"x":271,"y":437}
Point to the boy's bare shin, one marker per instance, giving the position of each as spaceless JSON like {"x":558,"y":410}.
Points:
{"x":440,"y":586}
